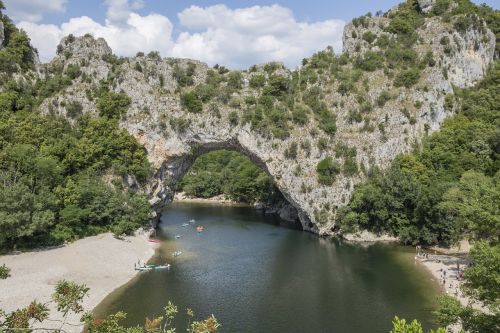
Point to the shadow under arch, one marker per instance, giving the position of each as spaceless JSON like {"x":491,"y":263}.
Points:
{"x":173,"y":170}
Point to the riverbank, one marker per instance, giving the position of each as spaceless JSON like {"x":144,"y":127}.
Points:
{"x":219,"y":200}
{"x":446,"y":270}
{"x":103,"y":263}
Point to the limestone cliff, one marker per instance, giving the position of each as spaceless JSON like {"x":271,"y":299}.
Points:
{"x":2,"y":34}
{"x":377,"y":118}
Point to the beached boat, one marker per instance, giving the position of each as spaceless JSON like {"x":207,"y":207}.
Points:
{"x":154,"y":240}
{"x":146,"y":268}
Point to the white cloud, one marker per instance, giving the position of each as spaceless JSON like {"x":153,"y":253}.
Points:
{"x":236,"y":38}
{"x":33,"y":10}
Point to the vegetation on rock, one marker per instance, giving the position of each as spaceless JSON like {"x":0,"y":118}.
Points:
{"x":449,"y":187}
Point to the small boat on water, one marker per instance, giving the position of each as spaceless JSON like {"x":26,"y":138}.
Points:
{"x":146,"y":268}
{"x":177,"y":253}
{"x":177,"y":236}
{"x":185,"y":224}
{"x":200,"y":228}
{"x":192,"y":221}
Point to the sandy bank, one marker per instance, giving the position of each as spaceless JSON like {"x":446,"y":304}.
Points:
{"x":450,"y":281}
{"x":101,"y":262}
{"x":219,"y":200}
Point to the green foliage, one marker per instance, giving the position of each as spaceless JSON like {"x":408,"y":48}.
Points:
{"x":370,"y":61}
{"x":74,"y":109}
{"x":4,"y":270}
{"x":369,"y":37}
{"x":191,"y":102}
{"x":407,"y":78}
{"x":184,"y":76}
{"x":448,"y":188}
{"x":235,"y":80}
{"x":481,"y":286}
{"x":112,"y":105}
{"x":73,"y":71}
{"x":406,"y":19}
{"x":229,"y":173}
{"x":51,"y":188}
{"x":327,"y":170}
{"x":234,"y":119}
{"x":400,"y":326}
{"x":17,"y":52}
{"x":257,"y":81}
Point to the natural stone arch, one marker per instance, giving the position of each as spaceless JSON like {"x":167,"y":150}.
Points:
{"x":173,"y":169}
{"x":156,"y":111}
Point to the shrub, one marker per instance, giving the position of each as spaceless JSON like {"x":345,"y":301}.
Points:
{"x":235,"y":80}
{"x":383,"y":98}
{"x":257,"y":81}
{"x":183,"y":76}
{"x":328,"y":122}
{"x":291,"y":151}
{"x":299,"y":115}
{"x":112,"y":105}
{"x":234,"y":118}
{"x":327,"y":170}
{"x":154,"y":55}
{"x":350,"y":167}
{"x":191,"y":102}
{"x":73,"y":71}
{"x":180,"y":125}
{"x":205,"y":92}
{"x":407,"y":78}
{"x":369,"y":37}
{"x":370,"y":62}
{"x":74,"y":109}
{"x":277,"y":86}
{"x":4,"y":272}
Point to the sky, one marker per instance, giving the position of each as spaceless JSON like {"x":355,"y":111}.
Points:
{"x":236,"y":33}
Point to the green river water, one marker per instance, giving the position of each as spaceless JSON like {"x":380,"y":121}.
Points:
{"x":256,"y":276}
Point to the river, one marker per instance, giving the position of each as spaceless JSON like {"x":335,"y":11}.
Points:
{"x":256,"y":276}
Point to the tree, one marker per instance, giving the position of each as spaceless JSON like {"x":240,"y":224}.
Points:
{"x":113,"y":105}
{"x":400,"y":326}
{"x":68,"y":297}
{"x":473,"y":204}
{"x":191,"y":102}
{"x":327,"y":170}
{"x":482,"y":287}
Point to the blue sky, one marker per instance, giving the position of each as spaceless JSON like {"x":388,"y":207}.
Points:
{"x":235,"y":33}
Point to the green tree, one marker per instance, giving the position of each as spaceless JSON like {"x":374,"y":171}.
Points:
{"x":327,"y":170}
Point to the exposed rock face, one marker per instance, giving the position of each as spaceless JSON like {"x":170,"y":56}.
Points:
{"x":174,"y":138}
{"x":2,"y":34}
{"x":426,"y":5}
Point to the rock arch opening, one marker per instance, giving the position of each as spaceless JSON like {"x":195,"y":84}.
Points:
{"x":171,"y":175}
{"x":235,"y":173}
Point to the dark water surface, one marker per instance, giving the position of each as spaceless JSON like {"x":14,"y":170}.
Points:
{"x":255,"y":276}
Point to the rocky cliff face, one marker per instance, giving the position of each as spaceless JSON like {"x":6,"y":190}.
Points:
{"x":375,"y":118}
{"x":2,"y":34}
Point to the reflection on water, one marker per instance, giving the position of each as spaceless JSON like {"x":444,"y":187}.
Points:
{"x":258,"y":277}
